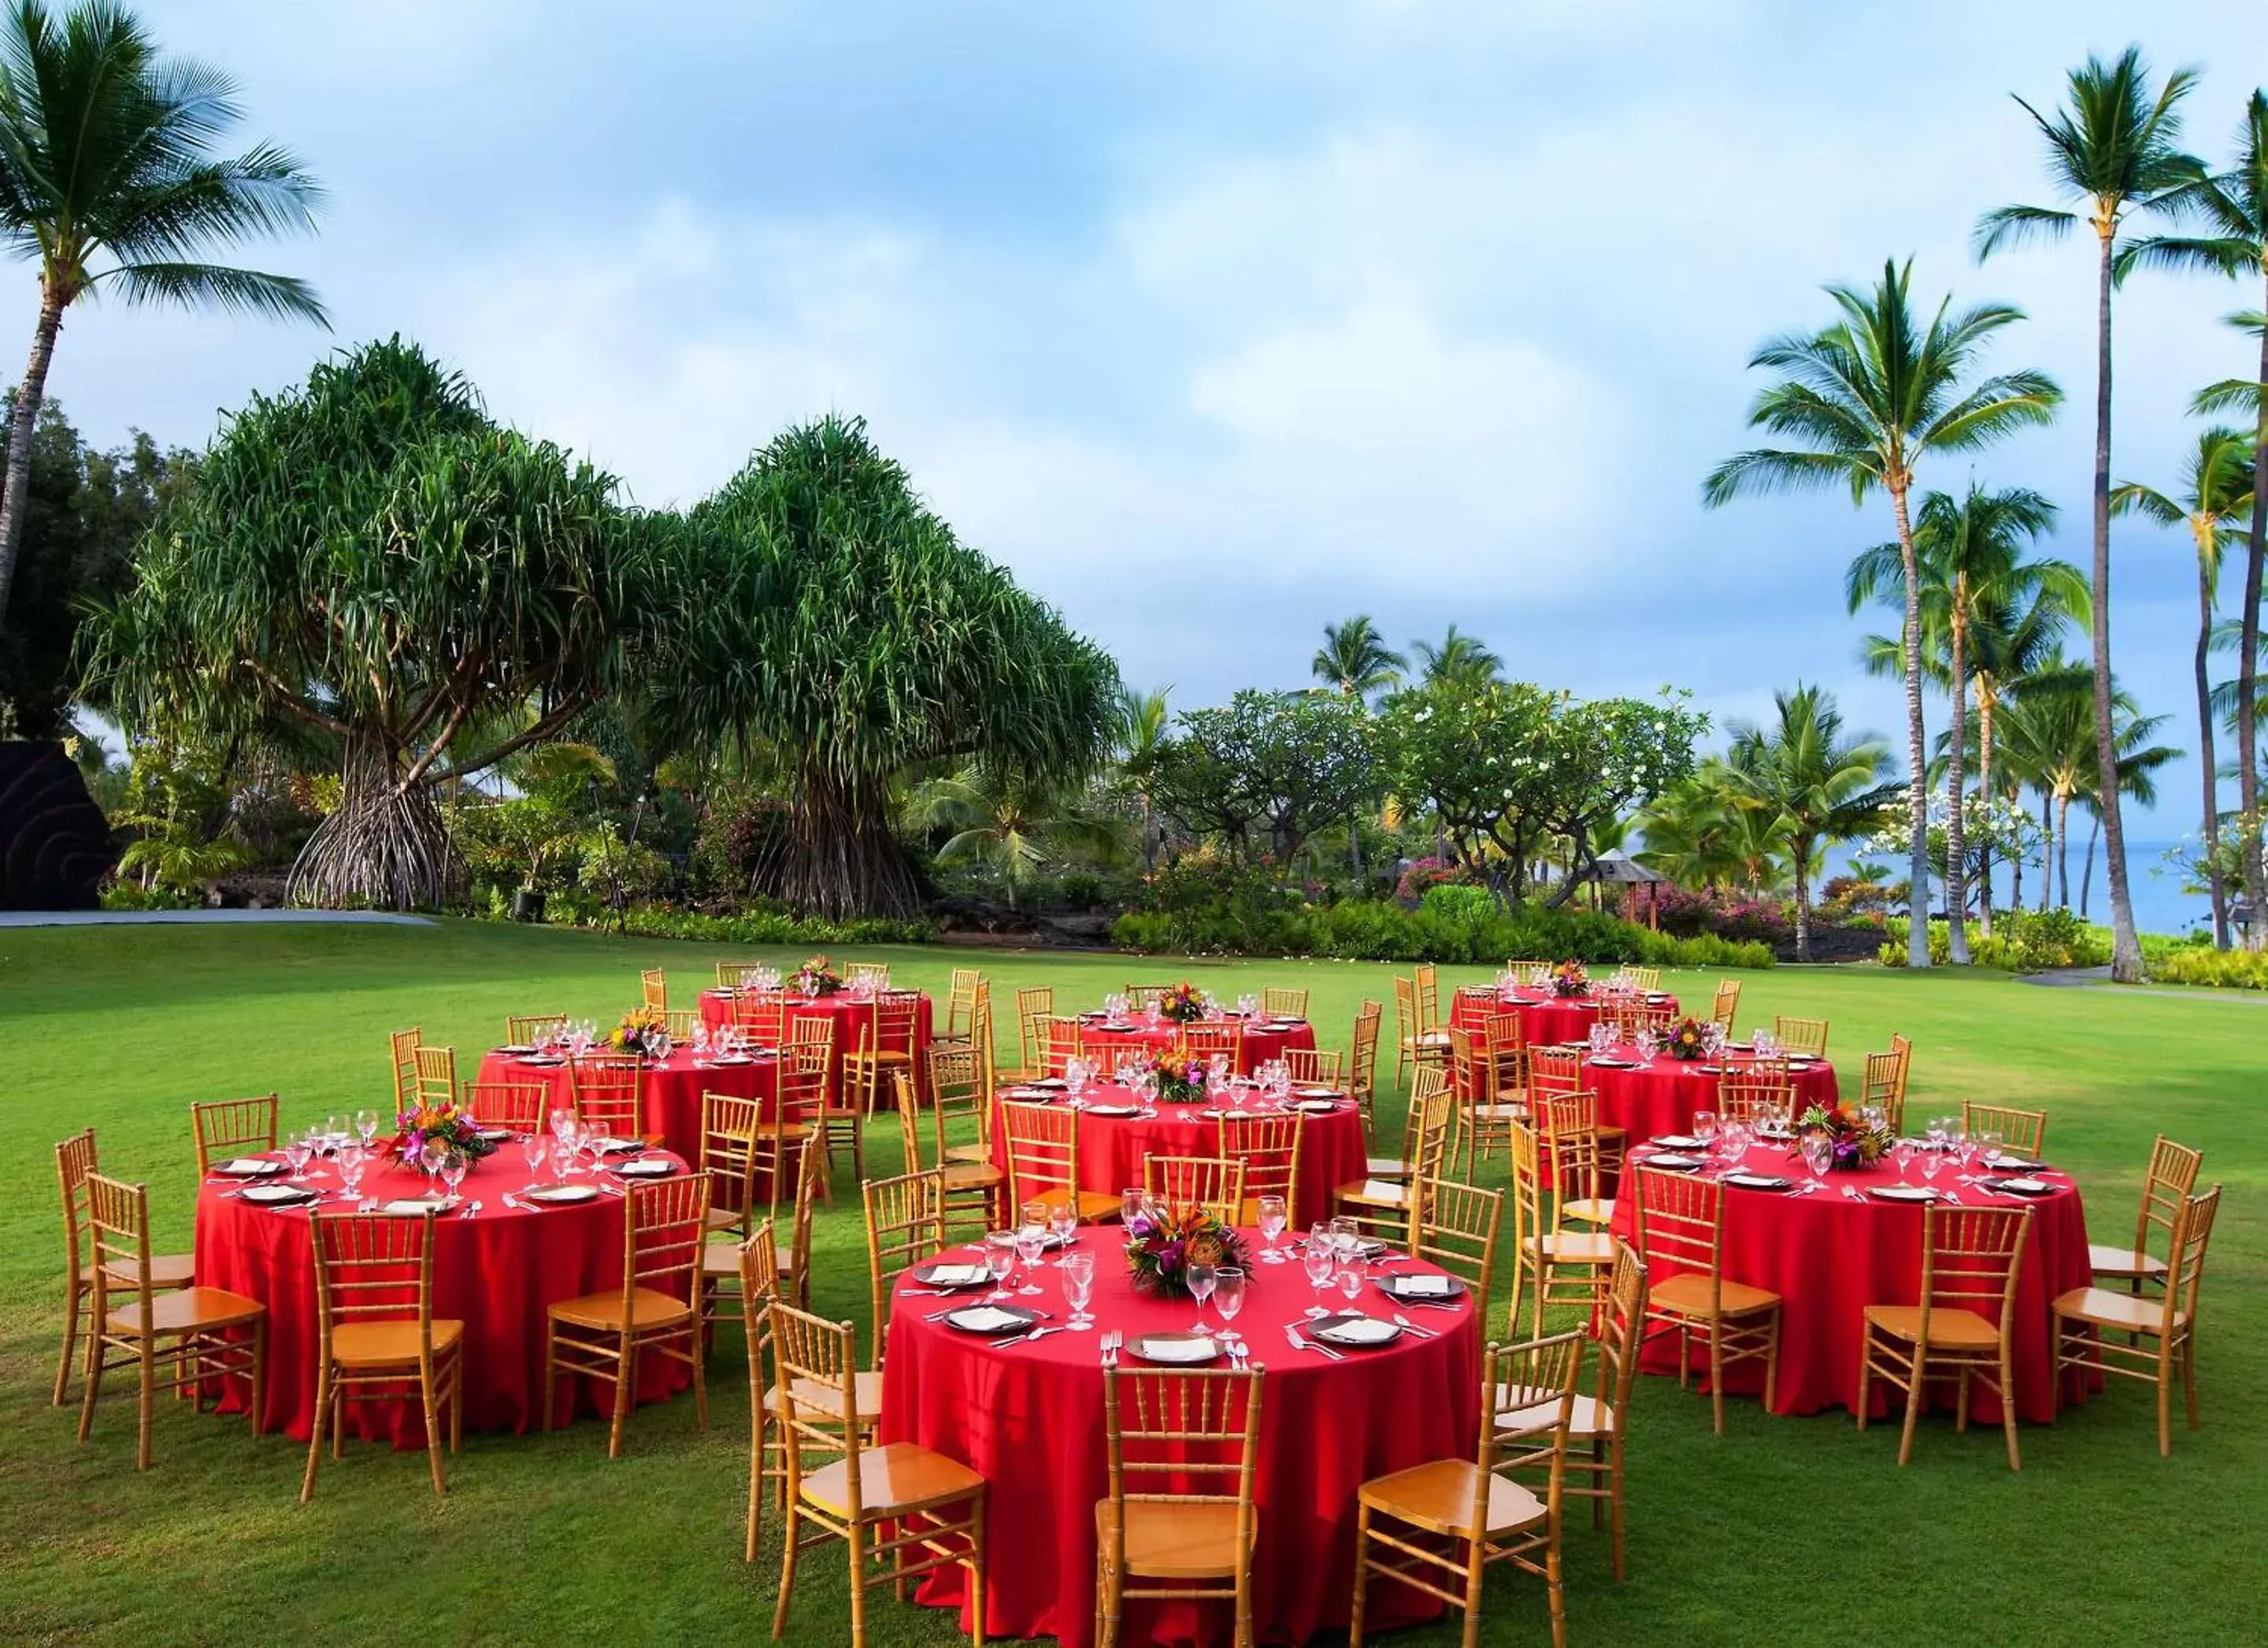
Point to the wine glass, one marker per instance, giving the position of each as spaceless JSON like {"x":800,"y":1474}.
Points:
{"x":532,"y":1149}
{"x":1202,"y":1279}
{"x":1932,"y":1163}
{"x":352,"y":1160}
{"x":1346,"y":1237}
{"x":569,"y":1133}
{"x":1130,"y":1201}
{"x":453,"y":1166}
{"x":1031,"y":1242}
{"x":335,"y":1133}
{"x":1079,"y":1287}
{"x":296,"y":1149}
{"x":366,"y":1124}
{"x":1818,"y":1150}
{"x":1352,"y":1275}
{"x":1273,"y":1217}
{"x":999,"y":1262}
{"x":1062,"y":1225}
{"x":1704,"y":1127}
{"x":1321,"y":1262}
{"x":434,"y":1155}
{"x":1228,"y":1299}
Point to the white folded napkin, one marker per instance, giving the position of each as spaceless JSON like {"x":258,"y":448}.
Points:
{"x":985,"y":1318}
{"x":957,"y":1275}
{"x":1424,"y":1286}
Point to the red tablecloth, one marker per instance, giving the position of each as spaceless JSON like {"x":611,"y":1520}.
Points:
{"x":1333,"y":1151}
{"x":853,"y":1017}
{"x":1543,"y":1016}
{"x":674,"y":1088}
{"x":1029,"y":1419}
{"x":1261,"y":1046}
{"x":1829,"y":1257}
{"x":497,"y":1272}
{"x":1660,"y":1097}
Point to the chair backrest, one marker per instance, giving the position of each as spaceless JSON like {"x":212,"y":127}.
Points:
{"x":2022,"y":1132}
{"x":2166,"y":1186}
{"x":961,"y":1002}
{"x":1903,"y":1049}
{"x":907,"y":1107}
{"x":1567,"y":1127}
{"x":1880,"y":1089}
{"x":1406,"y":1022}
{"x":1727,"y":1005}
{"x":1970,"y":1259}
{"x":529,"y":1029}
{"x":890,"y":1028}
{"x":654,"y":989}
{"x":957,"y":1095}
{"x":679,"y":1024}
{"x":2185,"y":1266}
{"x":1472,"y":1072}
{"x":1142,"y":997}
{"x":1283,"y":1003}
{"x":405,"y":1044}
{"x":1042,"y":1144}
{"x":224,"y":1126}
{"x":1472,"y":1003}
{"x":1314,"y":1067}
{"x":874,"y":973}
{"x":1362,"y":1075}
{"x":761,"y":1016}
{"x":810,"y":1353}
{"x":1459,"y":1233}
{"x":1187,"y":1436}
{"x":1680,"y":1227}
{"x":373,"y":1268}
{"x":608,"y":1094}
{"x":905,"y":1225}
{"x":1212,"y":1040}
{"x":1527,"y":1403}
{"x":1800,"y":1035}
{"x":1033,"y":1003}
{"x":760,"y":1291}
{"x":806,"y":1164}
{"x":520,"y":1106}
{"x":1505,"y":1031}
{"x":436,"y":1075}
{"x":733,"y":975}
{"x":729,"y":1126}
{"x":1268,"y":1147}
{"x":807,"y":1068}
{"x":118,"y":1228}
{"x":665,"y":1230}
{"x":1425,"y":980}
{"x":75,"y":1159}
{"x":1757,"y":1090}
{"x":1063,"y":1043}
{"x":1431,"y":1106}
{"x":1215,"y":1183}
{"x":1641,"y":978}
{"x":980,"y":1033}
{"x":1552,"y":1070}
{"x":1620,"y":1330}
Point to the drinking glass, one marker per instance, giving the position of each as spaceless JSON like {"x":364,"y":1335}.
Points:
{"x":1130,"y":1206}
{"x":296,"y":1149}
{"x":1228,"y":1299}
{"x":1602,"y":1038}
{"x":1321,"y":1262}
{"x":1818,"y":1153}
{"x":532,"y":1151}
{"x":1062,"y":1225}
{"x":563,"y":1158}
{"x":1986,"y":1143}
{"x":562,"y":1123}
{"x":366,"y":1124}
{"x":999,"y":1262}
{"x":1273,"y":1217}
{"x":1902,"y":1155}
{"x":335,"y":1133}
{"x":1079,"y":1287}
{"x":1932,"y":1163}
{"x":1346,"y":1237}
{"x":453,"y":1164}
{"x":1031,"y":1242}
{"x":1352,"y":1273}
{"x":1202,"y":1279}
{"x":352,"y":1160}
{"x":1704,"y":1127}
{"x":432,"y":1158}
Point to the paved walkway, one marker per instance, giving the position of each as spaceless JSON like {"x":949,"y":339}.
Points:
{"x":202,"y":917}
{"x":2074,"y":978}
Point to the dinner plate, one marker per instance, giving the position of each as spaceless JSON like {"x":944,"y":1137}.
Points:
{"x":1430,"y":1290}
{"x":1656,"y":996}
{"x":1902,"y":1193}
{"x":1318,"y":1092}
{"x":1048,"y":1084}
{"x":953,"y":1277}
{"x":1757,"y":1181}
{"x":495,"y":1135}
{"x":1674,"y":1142}
{"x":1614,"y":1063}
{"x":1353,"y":1332}
{"x":1774,"y":1132}
{"x":2020,"y":1185}
{"x":279,"y":1194}
{"x":542,"y":1060}
{"x":1316,"y":1106}
{"x":414,"y":1207}
{"x":732,"y":1058}
{"x":1116,"y":1029}
{"x":2014,"y":1164}
{"x":562,"y":1195}
{"x":1113,"y":1110}
{"x":989,"y":1321}
{"x":1669,"y":1161}
{"x":647,"y":1168}
{"x":1176,"y":1349}
{"x":1282,"y":1024}
{"x":517,"y":1048}
{"x":619,"y":1146}
{"x":250,"y":1168}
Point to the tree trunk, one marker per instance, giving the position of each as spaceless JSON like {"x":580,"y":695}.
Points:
{"x":1956,"y":840}
{"x":1985,"y":705}
{"x":1803,"y":855}
{"x":1916,"y":747}
{"x":2047,"y":848}
{"x":2125,"y":948}
{"x":2211,"y":837}
{"x":2086,"y":865}
{"x":385,"y":848}
{"x":2247,"y":674}
{"x":2062,"y":851}
{"x":838,"y":856}
{"x":15,"y":496}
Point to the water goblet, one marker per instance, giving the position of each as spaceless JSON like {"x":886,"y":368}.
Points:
{"x":366,"y":1124}
{"x":1079,"y":1287}
{"x":1273,"y":1217}
{"x":453,"y":1166}
{"x":532,"y":1149}
{"x":1932,"y":1163}
{"x":296,"y":1149}
{"x":1902,"y":1155}
{"x":1704,"y":1127}
{"x":1031,"y":1242}
{"x":1203,"y":1278}
{"x":999,"y":1262}
{"x":1228,"y":1299}
{"x":352,"y":1160}
{"x":1062,"y":1225}
{"x":1131,"y":1201}
{"x":433,"y":1157}
{"x":1346,"y":1237}
{"x":1352,"y":1274}
{"x":1321,"y":1262}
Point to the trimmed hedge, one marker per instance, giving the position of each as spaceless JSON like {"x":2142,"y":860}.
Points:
{"x":2220,"y":970}
{"x":750,"y":927}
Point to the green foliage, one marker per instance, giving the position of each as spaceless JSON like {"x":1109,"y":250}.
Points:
{"x":1293,"y":762}
{"x":608,"y":864}
{"x":763,"y":927}
{"x":2022,"y":941}
{"x":132,"y":895}
{"x":2220,"y":969}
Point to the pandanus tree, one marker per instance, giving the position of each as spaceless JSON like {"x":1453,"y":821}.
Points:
{"x":837,"y":618}
{"x":2216,"y":493}
{"x":107,"y":180}
{"x":1869,"y":398}
{"x":369,"y":557}
{"x":2113,"y":152}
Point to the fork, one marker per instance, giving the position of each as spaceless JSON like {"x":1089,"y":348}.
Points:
{"x":1300,"y":1341}
{"x":1411,"y":1326}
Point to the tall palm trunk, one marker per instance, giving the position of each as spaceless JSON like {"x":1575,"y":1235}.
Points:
{"x":2047,"y":849}
{"x":2125,"y":948}
{"x":2210,"y":838}
{"x":2248,"y":675}
{"x":1957,"y":841}
{"x":1916,"y":749}
{"x":15,"y":496}
{"x":2063,"y":850}
{"x":1801,"y":848}
{"x":2087,"y":865}
{"x":1987,"y":698}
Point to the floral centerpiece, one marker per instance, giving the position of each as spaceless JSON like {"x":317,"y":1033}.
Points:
{"x":815,"y":978}
{"x":448,"y":1123}
{"x":1685,"y":1040}
{"x":1178,"y":1078}
{"x":1856,"y":1143}
{"x":644,"y":1032}
{"x":1184,"y":1003}
{"x":1569,"y":979}
{"x":1162,"y":1244}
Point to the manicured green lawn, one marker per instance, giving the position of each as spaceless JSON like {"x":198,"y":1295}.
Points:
{"x":1782,"y":1530}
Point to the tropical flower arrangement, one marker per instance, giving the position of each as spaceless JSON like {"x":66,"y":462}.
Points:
{"x":447,"y":1122}
{"x":1161,"y":1245}
{"x":1857,"y":1144}
{"x":1684,"y":1039}
{"x":1179,"y":1079}
{"x":815,"y":978}
{"x":1568,"y":979}
{"x":643,"y":1031}
{"x":1184,"y":1003}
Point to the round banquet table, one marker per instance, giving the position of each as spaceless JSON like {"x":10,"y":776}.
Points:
{"x":1265,"y":1040}
{"x":674,"y":1088}
{"x":1545,"y":1018}
{"x":1831,"y":1252}
{"x":1661,"y":1096}
{"x":853,"y":1017}
{"x":1333,"y":1148}
{"x":497,"y":1272}
{"x":1028,"y":1418}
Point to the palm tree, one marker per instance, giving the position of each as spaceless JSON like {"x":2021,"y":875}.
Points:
{"x":1869,"y":396}
{"x":1355,"y":659}
{"x":106,"y":155}
{"x":1459,"y":660}
{"x":2138,"y":760}
{"x":1824,"y":785}
{"x":2217,"y":488}
{"x":1141,"y":728}
{"x":1697,"y":837}
{"x":1009,"y":824}
{"x":2010,"y":641}
{"x":2049,"y":729}
{"x":1969,"y":554}
{"x":2113,"y":149}
{"x":2235,"y":206}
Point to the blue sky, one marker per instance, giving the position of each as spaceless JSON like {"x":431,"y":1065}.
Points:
{"x":1218,"y":322}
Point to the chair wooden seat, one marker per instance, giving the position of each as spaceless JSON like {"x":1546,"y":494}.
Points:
{"x":1386,"y":1167}
{"x":814,"y":1396}
{"x":1426,"y":1039}
{"x":723,"y":1218}
{"x":895,"y":1478}
{"x":1439,"y":1497}
{"x":191,"y":1310}
{"x":1501,"y":1112}
{"x":167,"y":1270}
{"x":1579,"y":1247}
{"x":1097,"y":1207}
{"x":648,"y":1309}
{"x":976,"y":1176}
{"x":365,"y":1344}
{"x":1591,"y":1417}
{"x":1949,"y":1329}
{"x":2123,"y":1262}
{"x":967,"y":1152}
{"x":2126,"y":1312}
{"x":1173,"y":1541}
{"x":1590,"y":1210}
{"x":1688,"y":1295}
{"x":1375,"y":1193}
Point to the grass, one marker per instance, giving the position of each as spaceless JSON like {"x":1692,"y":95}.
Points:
{"x":1782,"y":1530}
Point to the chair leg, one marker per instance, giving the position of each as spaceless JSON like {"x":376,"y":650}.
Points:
{"x":759,"y":1433}
{"x":1475,"y":1586}
{"x":787,"y":1576}
{"x":700,"y":1375}
{"x":1555,"y":1588}
{"x":856,"y":1538}
{"x":1617,"y":1514}
{"x":71,"y":1343}
{"x":1772,"y":1365}
{"x":1866,"y":1374}
{"x":148,"y":1398}
{"x":976,"y":1572}
{"x":548,"y":1395}
{"x":432,"y":1426}
{"x":1916,"y":1381}
{"x":625,"y":1377}
{"x":2008,"y":1407}
{"x":1717,"y":1375}
{"x":1361,"y":1576}
{"x":1960,"y":1392}
{"x":2165,"y":1402}
{"x":315,"y":1440}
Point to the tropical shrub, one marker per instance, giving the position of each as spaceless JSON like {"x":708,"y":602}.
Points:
{"x":760,"y":926}
{"x":2221,"y":969}
{"x":1687,"y":913}
{"x":2022,"y":941}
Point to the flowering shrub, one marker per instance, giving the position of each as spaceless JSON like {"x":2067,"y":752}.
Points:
{"x":1688,"y":914}
{"x":2221,"y":969}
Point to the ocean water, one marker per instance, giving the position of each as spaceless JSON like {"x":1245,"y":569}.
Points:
{"x":2161,"y":906}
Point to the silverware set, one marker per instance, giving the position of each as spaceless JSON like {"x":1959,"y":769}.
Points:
{"x":1112,"y":1342}
{"x":1300,"y":1341}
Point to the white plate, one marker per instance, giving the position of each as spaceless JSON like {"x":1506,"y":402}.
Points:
{"x":1317,"y":1092}
{"x":561,"y":1195}
{"x":277,"y":1195}
{"x":1176,"y":1349}
{"x":1902,"y":1193}
{"x":250,"y":1168}
{"x":1671,"y":1162}
{"x":414,"y":1207}
{"x":988,"y":1318}
{"x":651,"y":1167}
{"x":1757,"y":1181}
{"x":2021,"y":1187}
{"x":732,"y":1058}
{"x":1113,"y":1110}
{"x":2005,"y":1163}
{"x":1316,"y":1106}
{"x":1429,"y":1287}
{"x":953,"y":1276}
{"x":1614,"y":1063}
{"x":516,"y":1049}
{"x":1363,"y":1332}
{"x":1674,"y":1142}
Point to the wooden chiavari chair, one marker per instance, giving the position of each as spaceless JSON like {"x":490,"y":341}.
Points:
{"x":223,"y":1126}
{"x":883,"y":1502}
{"x":763,"y":1017}
{"x":1446,"y":1522}
{"x":874,"y":973}
{"x":1526,"y":973}
{"x":1632,"y":1015}
{"x":174,"y":1341}
{"x":1484,"y":1119}
{"x":961,"y":1004}
{"x":1155,"y":1539}
{"x":1142,"y":997}
{"x":2166,"y":1185}
{"x":1506,"y":1032}
{"x":609,"y":1094}
{"x":1964,"y":1328}
{"x":1458,"y":1232}
{"x":376,"y":1334}
{"x":75,"y":1160}
{"x":1425,"y":981}
{"x":657,"y":1311}
{"x":533,"y":1029}
{"x":1316,"y":1067}
{"x":1881,"y":1088}
{"x":905,"y":1226}
{"x":1035,"y":1004}
{"x":654,"y":989}
{"x":1562,"y":1266}
{"x":1583,"y":1159}
{"x":1042,"y":1144}
{"x":957,"y":1093}
{"x":843,"y":1117}
{"x":523,"y":1106}
{"x":679,"y":1024}
{"x":1553,"y":1072}
{"x":1800,"y":1035}
{"x":1470,"y":1004}
{"x":1269,"y":1147}
{"x":1644,"y":979}
{"x":1181,"y":1182}
{"x":972,"y":1190}
{"x":1757,"y":1090}
{"x":404,"y":1045}
{"x":1362,"y":1061}
{"x":1283,"y":1003}
{"x":1063,"y":1043}
{"x":436,"y":1075}
{"x":1390,"y":1211}
{"x":2161,"y":1328}
{"x":1418,"y":1043}
{"x":1680,"y":1236}
{"x":1212,"y":1039}
{"x":1727,"y":1005}
{"x":760,"y":1289}
{"x":806,"y":1078}
{"x":735,"y":975}
{"x":2022,"y":1132}
{"x":729,"y":1125}
{"x":885,"y":1045}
